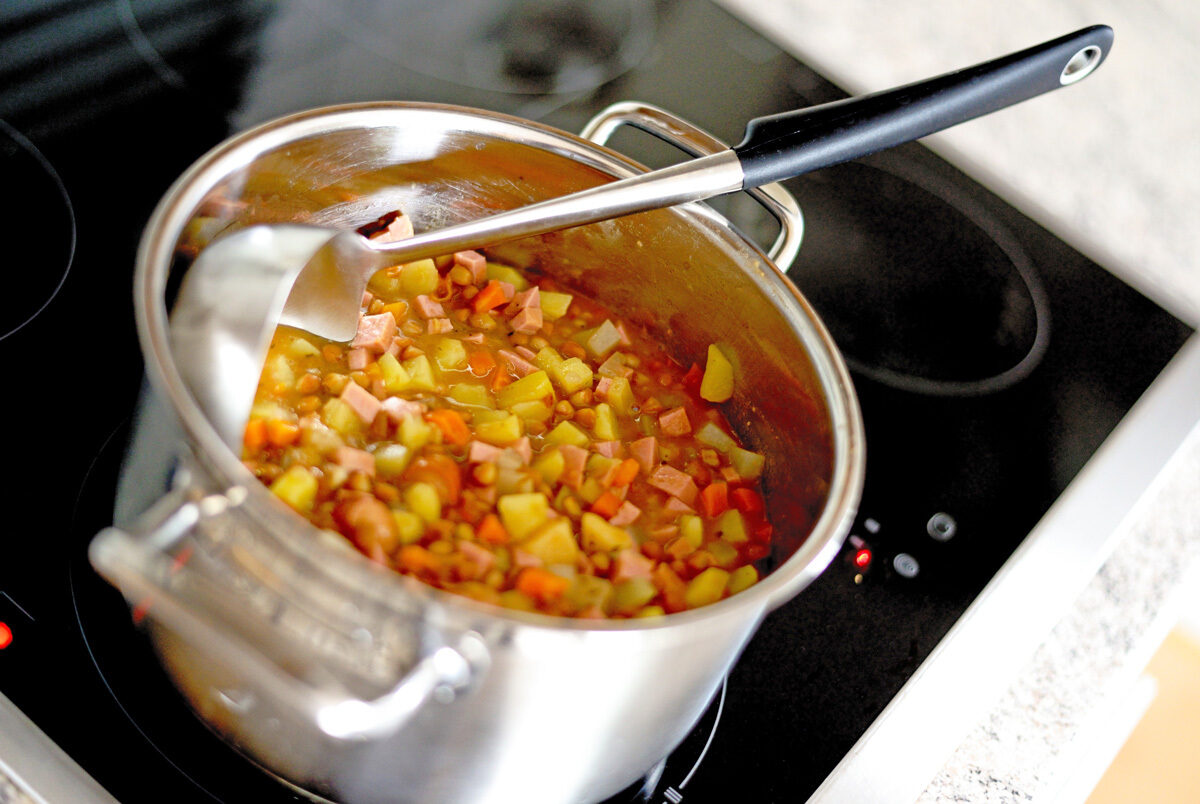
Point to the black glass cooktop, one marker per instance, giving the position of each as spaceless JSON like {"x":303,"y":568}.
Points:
{"x":991,"y":359}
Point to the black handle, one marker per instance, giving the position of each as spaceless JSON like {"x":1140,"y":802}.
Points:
{"x":784,"y":145}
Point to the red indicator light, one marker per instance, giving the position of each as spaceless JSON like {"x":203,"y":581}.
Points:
{"x":6,"y":636}
{"x":862,"y":558}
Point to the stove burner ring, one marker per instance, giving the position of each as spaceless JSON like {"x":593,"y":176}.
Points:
{"x":988,"y":258}
{"x":37,"y":223}
{"x":522,"y":47}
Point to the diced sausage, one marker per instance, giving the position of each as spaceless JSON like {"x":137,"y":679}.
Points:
{"x":528,"y":320}
{"x":428,"y":308}
{"x":398,"y":409}
{"x":674,"y":422}
{"x":630,"y":563}
{"x":480,"y":556}
{"x":375,"y":332}
{"x":362,"y":401}
{"x":474,"y":262}
{"x":678,"y":506}
{"x":368,"y":523}
{"x":645,"y":452}
{"x":574,"y":460}
{"x":523,"y":448}
{"x":516,"y":364}
{"x":674,"y":482}
{"x":609,"y":449}
{"x":526,"y":299}
{"x":481,"y":452}
{"x":356,"y":460}
{"x":439,"y":326}
{"x":627,"y":514}
{"x":358,"y":359}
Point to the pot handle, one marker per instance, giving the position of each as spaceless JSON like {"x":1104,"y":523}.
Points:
{"x":165,"y":588}
{"x":695,"y":141}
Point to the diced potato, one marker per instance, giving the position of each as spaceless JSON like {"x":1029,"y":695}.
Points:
{"x":553,"y":542}
{"x":395,"y":378}
{"x":632,"y":594}
{"x":554,"y":305}
{"x":268,"y":409}
{"x":567,"y":433}
{"x":506,"y":273}
{"x":301,"y":347}
{"x":535,"y":411}
{"x":590,"y":490}
{"x":572,"y":375}
{"x":724,"y":553}
{"x":717,"y":384}
{"x":548,"y":358}
{"x":341,"y":417}
{"x":603,"y":339}
{"x":731,"y":527}
{"x":409,"y":527}
{"x":472,"y":395}
{"x":278,"y":373}
{"x":590,"y":591}
{"x":535,"y":386}
{"x":651,"y":611}
{"x":550,"y":465}
{"x":707,"y":587}
{"x":620,"y":395}
{"x":424,"y":501}
{"x":747,"y":464}
{"x":420,"y":374}
{"x":605,"y":428}
{"x":420,"y":277}
{"x":501,"y":432}
{"x":297,"y":487}
{"x":598,"y":465}
{"x":598,"y":536}
{"x":614,"y":366}
{"x":742,"y":578}
{"x":415,"y":432}
{"x":392,"y":459}
{"x":450,"y":354}
{"x":522,"y":514}
{"x":691,"y":527}
{"x":710,"y":433}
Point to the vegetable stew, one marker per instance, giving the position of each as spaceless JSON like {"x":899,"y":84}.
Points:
{"x":495,"y":435}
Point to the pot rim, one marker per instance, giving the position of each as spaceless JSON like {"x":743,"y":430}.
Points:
{"x":156,"y":251}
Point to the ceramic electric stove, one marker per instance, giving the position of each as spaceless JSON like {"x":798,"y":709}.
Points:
{"x":992,"y":361}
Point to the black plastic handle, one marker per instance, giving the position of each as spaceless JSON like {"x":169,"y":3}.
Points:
{"x":784,"y":145}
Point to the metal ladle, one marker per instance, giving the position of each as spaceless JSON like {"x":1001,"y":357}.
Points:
{"x":244,"y":284}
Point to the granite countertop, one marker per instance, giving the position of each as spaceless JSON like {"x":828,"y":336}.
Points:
{"x":1108,"y":165}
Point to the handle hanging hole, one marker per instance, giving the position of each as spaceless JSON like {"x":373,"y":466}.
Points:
{"x":1080,"y":65}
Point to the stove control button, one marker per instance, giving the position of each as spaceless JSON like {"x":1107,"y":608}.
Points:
{"x":941,"y":526}
{"x":906,"y":565}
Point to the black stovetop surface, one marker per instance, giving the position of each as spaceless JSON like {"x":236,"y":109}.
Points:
{"x":991,"y":359}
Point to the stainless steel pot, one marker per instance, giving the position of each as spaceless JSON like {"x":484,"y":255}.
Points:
{"x":357,"y":684}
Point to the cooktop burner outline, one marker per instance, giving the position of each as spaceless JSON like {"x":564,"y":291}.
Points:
{"x":1032,"y":306}
{"x":21,"y":307}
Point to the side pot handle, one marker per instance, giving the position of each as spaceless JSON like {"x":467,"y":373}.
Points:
{"x":165,"y":589}
{"x":695,"y":141}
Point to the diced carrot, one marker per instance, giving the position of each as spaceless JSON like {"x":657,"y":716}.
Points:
{"x":491,"y":530}
{"x":398,"y":309}
{"x":452,"y":425}
{"x":256,"y":435}
{"x":671,"y":586}
{"x":626,"y":472}
{"x":491,"y":297}
{"x":541,"y":584}
{"x":606,"y":505}
{"x":481,"y":362}
{"x":746,"y":500}
{"x":416,"y":559}
{"x":714,"y":499}
{"x":500,"y":380}
{"x":281,"y":433}
{"x":691,"y":380}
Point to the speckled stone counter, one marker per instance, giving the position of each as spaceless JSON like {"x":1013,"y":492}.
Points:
{"x":1110,"y":166}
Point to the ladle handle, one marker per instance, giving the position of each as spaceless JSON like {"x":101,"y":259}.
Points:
{"x":789,"y":144}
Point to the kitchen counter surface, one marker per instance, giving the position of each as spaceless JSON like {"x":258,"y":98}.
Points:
{"x":1109,"y":166}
